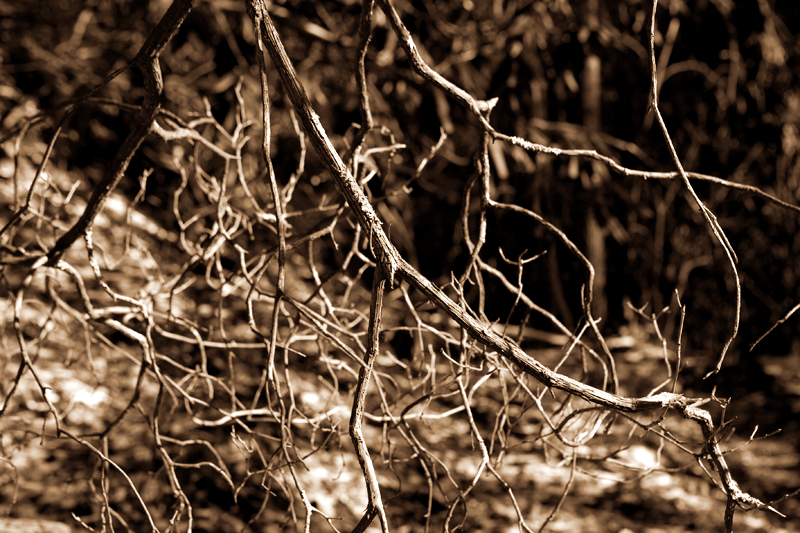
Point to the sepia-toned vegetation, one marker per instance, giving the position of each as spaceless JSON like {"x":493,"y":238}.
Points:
{"x":400,"y":265}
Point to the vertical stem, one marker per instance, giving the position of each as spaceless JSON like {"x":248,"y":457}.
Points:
{"x":356,"y":434}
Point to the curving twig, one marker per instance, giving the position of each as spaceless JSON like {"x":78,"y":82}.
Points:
{"x":391,"y":263}
{"x":709,"y":216}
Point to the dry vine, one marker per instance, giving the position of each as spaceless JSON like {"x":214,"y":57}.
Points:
{"x":255,"y":246}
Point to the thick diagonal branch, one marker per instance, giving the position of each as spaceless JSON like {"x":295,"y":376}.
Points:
{"x":147,"y":61}
{"x":390,"y":263}
{"x":345,"y":181}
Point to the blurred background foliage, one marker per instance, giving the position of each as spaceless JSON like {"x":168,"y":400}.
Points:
{"x":568,"y":74}
{"x":728,"y":90}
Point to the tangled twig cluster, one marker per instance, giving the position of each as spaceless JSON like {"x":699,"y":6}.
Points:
{"x":266,"y":326}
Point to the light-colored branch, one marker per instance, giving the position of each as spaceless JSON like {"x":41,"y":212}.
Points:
{"x":345,"y":181}
{"x":391,"y":261}
{"x":709,"y":216}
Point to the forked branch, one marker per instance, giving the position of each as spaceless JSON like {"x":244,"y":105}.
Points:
{"x":391,"y":264}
